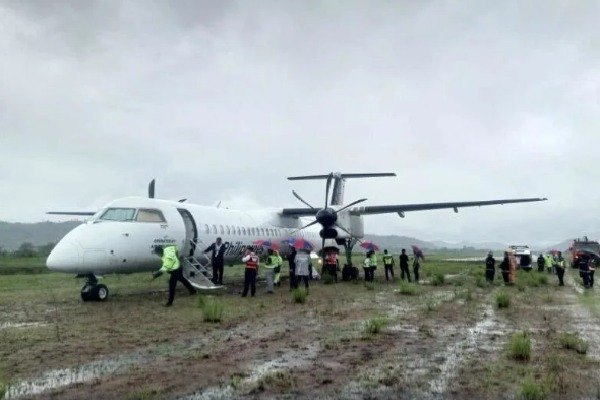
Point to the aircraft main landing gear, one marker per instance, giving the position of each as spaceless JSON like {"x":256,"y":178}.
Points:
{"x":92,"y":290}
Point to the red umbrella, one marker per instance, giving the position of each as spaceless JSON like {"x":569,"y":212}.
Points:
{"x":269,"y":244}
{"x":369,"y":246}
{"x":300,"y":244}
{"x":418,"y":252}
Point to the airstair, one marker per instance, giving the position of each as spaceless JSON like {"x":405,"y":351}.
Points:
{"x":198,"y":270}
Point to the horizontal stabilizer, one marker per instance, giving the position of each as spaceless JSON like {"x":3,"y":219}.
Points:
{"x":72,"y":212}
{"x":343,"y":176}
{"x":401,"y":208}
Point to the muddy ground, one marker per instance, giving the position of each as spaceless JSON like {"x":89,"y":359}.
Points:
{"x":448,"y":340}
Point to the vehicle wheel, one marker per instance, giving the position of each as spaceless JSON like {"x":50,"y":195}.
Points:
{"x":101,"y":292}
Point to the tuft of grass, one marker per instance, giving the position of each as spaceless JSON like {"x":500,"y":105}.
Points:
{"x":299,"y":295}
{"x":328,"y":279}
{"x":468,"y":294}
{"x":408,"y":288}
{"x":369,"y":285}
{"x":278,"y":380}
{"x":543,"y":280}
{"x":430,"y":304}
{"x":375,"y":325}
{"x":212,"y":310}
{"x":531,"y":390}
{"x":519,"y":347}
{"x":572,"y":341}
{"x":438,"y":279}
{"x":481,"y":282}
{"x":4,"y":384}
{"x":503,"y":299}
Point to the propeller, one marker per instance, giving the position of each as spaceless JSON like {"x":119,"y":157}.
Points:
{"x":326,"y":216}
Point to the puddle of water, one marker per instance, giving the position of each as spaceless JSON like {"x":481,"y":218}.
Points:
{"x":67,"y":376}
{"x":6,"y":325}
{"x":456,"y":352}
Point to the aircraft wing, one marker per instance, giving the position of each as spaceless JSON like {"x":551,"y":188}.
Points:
{"x":402,"y":208}
{"x":72,"y":212}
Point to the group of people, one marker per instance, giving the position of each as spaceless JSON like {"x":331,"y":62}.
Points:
{"x":508,"y":266}
{"x":300,"y":267}
{"x":389,"y":264}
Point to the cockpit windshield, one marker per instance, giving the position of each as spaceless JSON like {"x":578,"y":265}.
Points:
{"x":131,"y":214}
{"x":118,"y":214}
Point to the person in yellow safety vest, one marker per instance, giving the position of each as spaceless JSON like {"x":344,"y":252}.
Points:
{"x":559,"y":266}
{"x":549,"y":263}
{"x":170,"y":263}
{"x":279,"y":260}
{"x":252,"y":264}
{"x":388,"y":264}
{"x":373,"y":265}
{"x":270,"y":265}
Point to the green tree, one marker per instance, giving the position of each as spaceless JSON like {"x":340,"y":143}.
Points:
{"x":26,"y":250}
{"x":44,"y":251}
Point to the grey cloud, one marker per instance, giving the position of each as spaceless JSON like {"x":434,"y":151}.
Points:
{"x":223,"y":100}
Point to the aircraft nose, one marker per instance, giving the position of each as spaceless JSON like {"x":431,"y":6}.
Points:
{"x":64,"y":257}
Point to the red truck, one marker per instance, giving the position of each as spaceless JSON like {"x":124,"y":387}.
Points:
{"x":579,"y":246}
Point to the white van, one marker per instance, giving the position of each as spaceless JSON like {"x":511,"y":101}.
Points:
{"x":523,"y":255}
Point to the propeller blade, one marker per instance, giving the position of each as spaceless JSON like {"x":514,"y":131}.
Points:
{"x":182,"y":200}
{"x":305,"y":226}
{"x":350,"y":205}
{"x":151,"y":189}
{"x":301,"y":199}
{"x":329,"y":178}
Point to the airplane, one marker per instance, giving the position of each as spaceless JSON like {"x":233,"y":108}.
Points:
{"x":120,"y":237}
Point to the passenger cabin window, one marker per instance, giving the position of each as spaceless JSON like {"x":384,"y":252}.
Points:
{"x":239,"y":232}
{"x":118,"y":214}
{"x":145,"y":215}
{"x":206,"y":229}
{"x":243,"y":231}
{"x":215,"y":229}
{"x":228,"y":231}
{"x":222,"y":230}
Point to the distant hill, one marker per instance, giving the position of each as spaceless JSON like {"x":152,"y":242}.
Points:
{"x":12,"y":235}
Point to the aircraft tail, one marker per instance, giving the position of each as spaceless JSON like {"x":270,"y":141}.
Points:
{"x":337,"y":197}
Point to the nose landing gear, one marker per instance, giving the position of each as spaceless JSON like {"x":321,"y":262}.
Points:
{"x":93,"y":291}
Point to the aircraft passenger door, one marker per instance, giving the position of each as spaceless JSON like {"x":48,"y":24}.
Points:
{"x":191,"y":233}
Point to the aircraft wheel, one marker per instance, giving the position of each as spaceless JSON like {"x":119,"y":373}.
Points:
{"x":101,"y":292}
{"x":87,"y":293}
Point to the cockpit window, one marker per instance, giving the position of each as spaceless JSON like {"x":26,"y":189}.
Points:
{"x":146,"y":215}
{"x":118,"y":214}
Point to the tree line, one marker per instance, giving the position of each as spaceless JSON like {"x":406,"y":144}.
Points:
{"x":28,"y":250}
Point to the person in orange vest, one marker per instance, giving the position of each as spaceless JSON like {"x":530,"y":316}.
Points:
{"x":251,"y":260}
{"x":512,"y":262}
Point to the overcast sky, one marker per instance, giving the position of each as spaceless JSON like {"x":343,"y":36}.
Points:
{"x":222,"y":100}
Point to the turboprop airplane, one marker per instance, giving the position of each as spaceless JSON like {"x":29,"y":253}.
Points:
{"x":122,"y":235}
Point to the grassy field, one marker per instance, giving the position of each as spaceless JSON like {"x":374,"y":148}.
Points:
{"x":453,"y":335}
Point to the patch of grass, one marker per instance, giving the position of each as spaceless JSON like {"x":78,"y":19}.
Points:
{"x":557,"y":374}
{"x":375,"y":325}
{"x":468,"y":295}
{"x":236,"y":380}
{"x":4,"y":384}
{"x":409,"y":288}
{"x":481,"y":282}
{"x":328,"y":279}
{"x":502,"y":299}
{"x":212,"y":310}
{"x":369,"y":285}
{"x":430,"y":304}
{"x":542,"y":279}
{"x":438,"y":279}
{"x":278,"y":380}
{"x":142,"y":394}
{"x":572,"y":341}
{"x":299,"y":295}
{"x":531,"y":390}
{"x":521,"y":286}
{"x":519,"y":347}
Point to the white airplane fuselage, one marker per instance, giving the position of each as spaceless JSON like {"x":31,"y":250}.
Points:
{"x":120,"y":238}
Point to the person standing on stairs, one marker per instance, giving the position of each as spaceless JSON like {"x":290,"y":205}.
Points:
{"x":217,"y":260}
